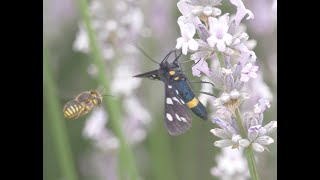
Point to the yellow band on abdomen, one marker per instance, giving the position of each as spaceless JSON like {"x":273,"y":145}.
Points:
{"x":193,"y":103}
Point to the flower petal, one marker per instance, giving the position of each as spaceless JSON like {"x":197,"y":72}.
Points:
{"x":254,"y":68}
{"x":212,"y":23}
{"x":225,"y":97}
{"x":241,"y":11}
{"x":185,"y":48}
{"x":227,"y":39}
{"x":264,"y":140}
{"x":221,"y":45}
{"x":193,"y":44}
{"x":184,"y":8}
{"x":212,"y":40}
{"x":203,"y":32}
{"x":234,"y":94}
{"x":270,"y":127}
{"x":189,"y":30}
{"x":244,"y":143}
{"x":244,"y":78}
{"x":220,"y":133}
{"x":223,"y":143}
{"x":195,"y":71}
{"x":236,"y":138}
{"x":201,"y":66}
{"x":253,"y":74}
{"x":224,"y":125}
{"x":207,"y":10}
{"x":197,"y":10}
{"x":257,"y":147}
{"x":180,"y":42}
{"x":253,"y":133}
{"x":229,"y":81}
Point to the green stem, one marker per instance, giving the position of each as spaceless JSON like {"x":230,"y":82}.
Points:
{"x":159,"y":144}
{"x":249,"y":151}
{"x":239,"y":123}
{"x":221,"y":59}
{"x":126,"y":158}
{"x":59,"y":132}
{"x":252,"y":163}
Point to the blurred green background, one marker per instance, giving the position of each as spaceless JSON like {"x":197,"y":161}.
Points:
{"x":159,"y":155}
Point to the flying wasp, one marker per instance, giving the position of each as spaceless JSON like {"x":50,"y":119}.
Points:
{"x":82,"y":104}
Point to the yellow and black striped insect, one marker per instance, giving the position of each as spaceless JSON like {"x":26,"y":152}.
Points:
{"x":82,"y":104}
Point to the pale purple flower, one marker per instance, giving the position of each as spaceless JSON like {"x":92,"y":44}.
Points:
{"x":82,"y":40}
{"x":201,"y":66}
{"x":196,"y":6}
{"x":241,"y":11}
{"x":136,"y":120}
{"x":199,"y":8}
{"x":249,"y":71}
{"x":229,"y":134}
{"x":231,"y":165}
{"x":219,"y":32}
{"x":252,"y":121}
{"x":186,"y":10}
{"x":232,"y":95}
{"x":257,"y":88}
{"x":232,"y":99}
{"x":200,"y":57}
{"x":123,"y":78}
{"x":262,"y":105}
{"x":95,"y":130}
{"x":186,"y":41}
{"x":265,"y":17}
{"x":257,"y":135}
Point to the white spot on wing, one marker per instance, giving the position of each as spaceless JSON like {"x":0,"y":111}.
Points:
{"x":174,"y":98}
{"x":177,"y":91}
{"x":182,"y":101}
{"x":169,"y":117}
{"x":184,"y":119}
{"x":178,"y":117}
{"x":169,"y":86}
{"x":169,"y":101}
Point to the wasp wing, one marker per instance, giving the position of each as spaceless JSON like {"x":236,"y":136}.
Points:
{"x":177,"y":116}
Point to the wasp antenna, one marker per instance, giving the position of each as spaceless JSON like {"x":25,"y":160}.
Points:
{"x":167,"y":56}
{"x":144,"y":53}
{"x":102,"y":89}
{"x":176,"y":57}
{"x":108,"y":95}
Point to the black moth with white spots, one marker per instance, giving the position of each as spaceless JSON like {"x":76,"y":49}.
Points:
{"x":177,"y":91}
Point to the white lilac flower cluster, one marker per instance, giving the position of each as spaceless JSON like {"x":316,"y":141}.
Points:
{"x":223,"y":39}
{"x":117,"y":25}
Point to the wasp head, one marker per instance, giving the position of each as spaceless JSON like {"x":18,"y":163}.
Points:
{"x":97,"y":97}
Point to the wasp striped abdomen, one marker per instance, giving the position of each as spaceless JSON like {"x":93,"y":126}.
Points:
{"x":82,"y":104}
{"x":73,"y":109}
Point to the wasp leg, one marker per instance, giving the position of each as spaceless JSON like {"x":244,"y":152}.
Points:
{"x":202,"y":82}
{"x":207,"y":93}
